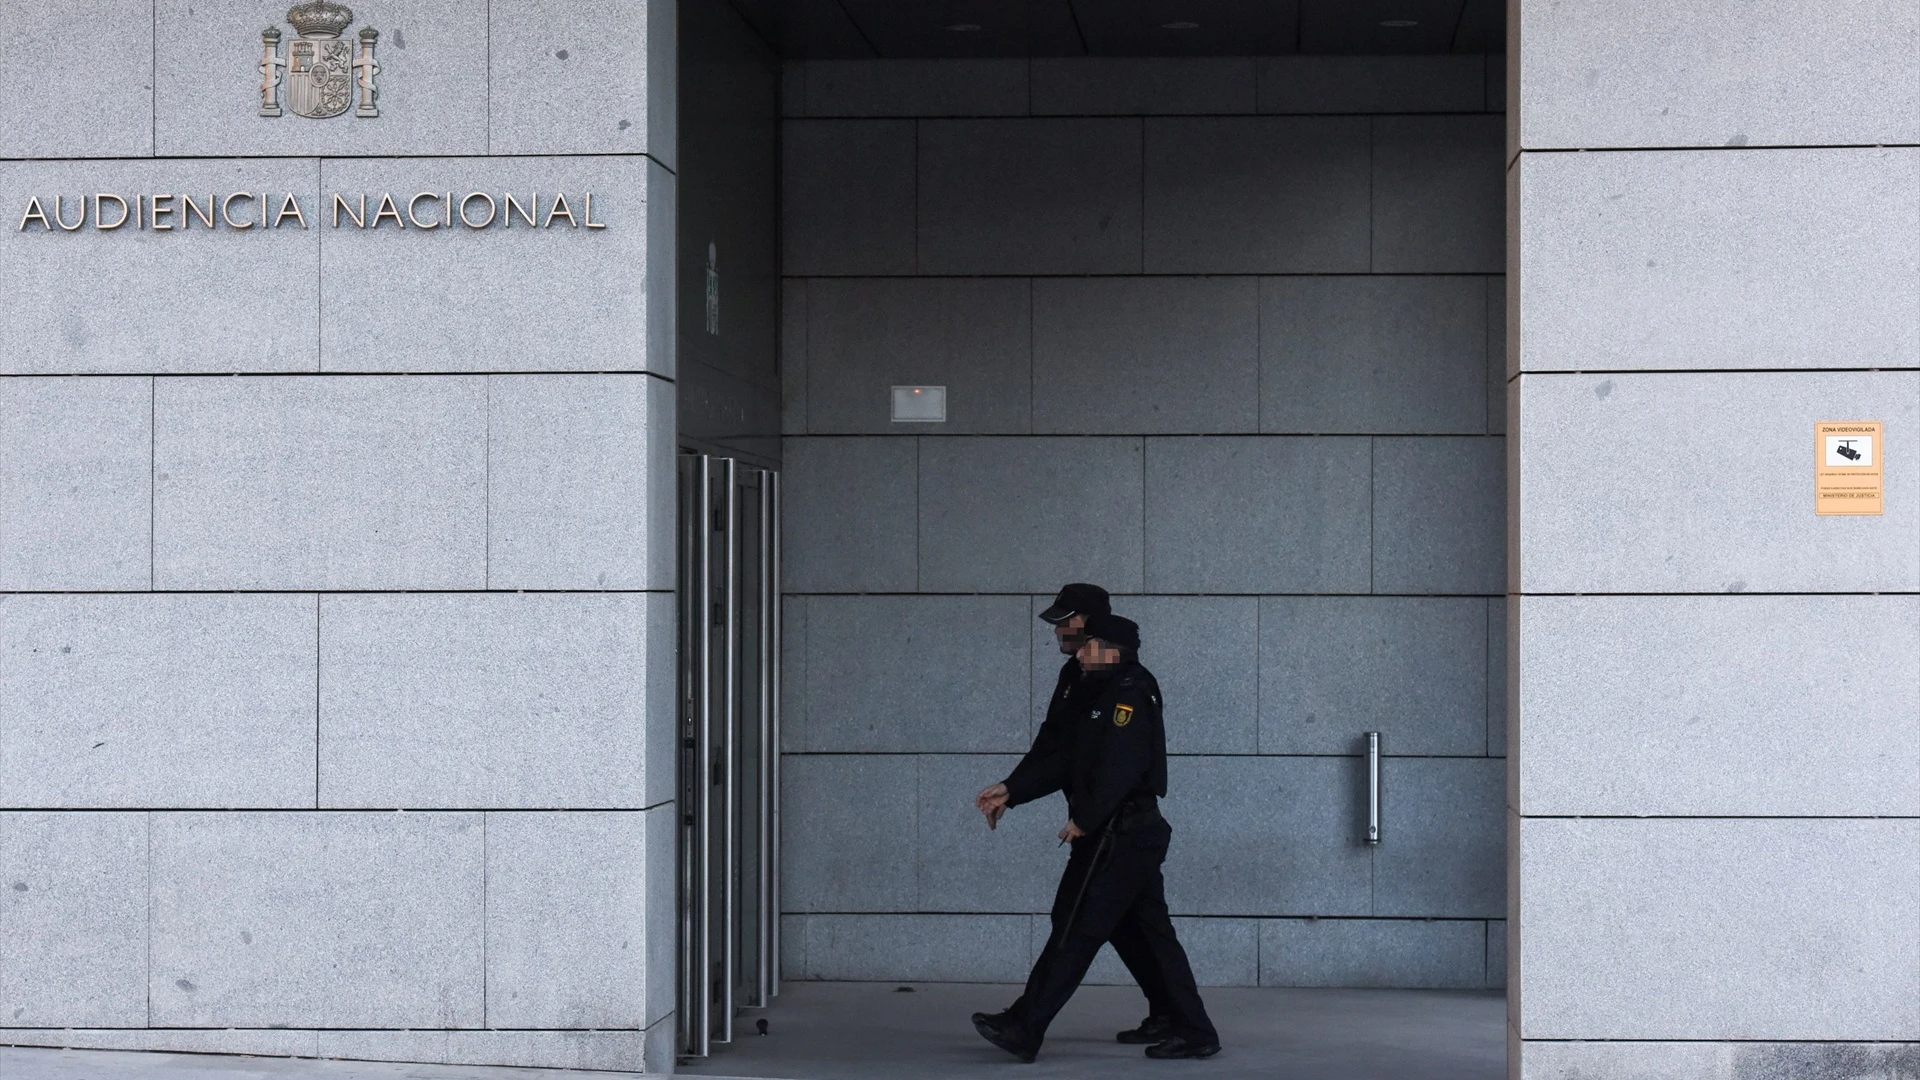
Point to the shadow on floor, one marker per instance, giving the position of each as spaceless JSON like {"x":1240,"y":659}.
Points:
{"x":872,"y":1031}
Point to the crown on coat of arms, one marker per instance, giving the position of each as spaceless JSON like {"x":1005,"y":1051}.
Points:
{"x":320,"y":18}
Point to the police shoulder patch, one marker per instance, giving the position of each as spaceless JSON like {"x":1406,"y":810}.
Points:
{"x":1122,"y":715}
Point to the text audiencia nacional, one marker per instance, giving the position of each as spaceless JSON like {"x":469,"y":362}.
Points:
{"x":240,"y":210}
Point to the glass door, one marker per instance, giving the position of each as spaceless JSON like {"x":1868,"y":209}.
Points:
{"x":729,"y":745}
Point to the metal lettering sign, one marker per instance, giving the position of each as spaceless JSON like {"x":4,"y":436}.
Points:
{"x":1847,"y":467}
{"x":239,"y":211}
{"x":320,"y":71}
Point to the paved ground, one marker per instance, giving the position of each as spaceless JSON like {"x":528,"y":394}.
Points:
{"x":870,"y":1031}
{"x":19,"y":1063}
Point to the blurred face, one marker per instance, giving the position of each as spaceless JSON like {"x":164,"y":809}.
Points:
{"x":1097,"y":655}
{"x":1070,"y":634}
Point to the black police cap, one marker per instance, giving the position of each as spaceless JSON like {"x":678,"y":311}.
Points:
{"x":1078,"y":598}
{"x":1122,"y":633}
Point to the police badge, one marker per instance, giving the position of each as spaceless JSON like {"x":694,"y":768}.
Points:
{"x":321,"y":71}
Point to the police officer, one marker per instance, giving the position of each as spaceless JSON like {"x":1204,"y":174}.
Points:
{"x":1068,"y":616}
{"x":1113,"y":769}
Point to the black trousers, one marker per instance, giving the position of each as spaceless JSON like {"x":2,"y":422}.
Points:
{"x":1135,"y":950}
{"x":1112,"y":891}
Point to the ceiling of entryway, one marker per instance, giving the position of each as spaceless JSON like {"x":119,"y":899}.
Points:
{"x":859,"y":29}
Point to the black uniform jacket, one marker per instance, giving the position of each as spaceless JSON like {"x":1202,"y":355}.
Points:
{"x":1103,"y":743}
{"x":1041,"y":762}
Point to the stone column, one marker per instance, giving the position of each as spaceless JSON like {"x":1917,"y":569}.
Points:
{"x":303,"y":526}
{"x":1715,"y":244}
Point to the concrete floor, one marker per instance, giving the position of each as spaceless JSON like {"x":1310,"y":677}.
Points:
{"x":871,"y":1031}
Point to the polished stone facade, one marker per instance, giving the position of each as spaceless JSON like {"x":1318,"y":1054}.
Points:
{"x":1713,"y":848}
{"x":336,"y":645}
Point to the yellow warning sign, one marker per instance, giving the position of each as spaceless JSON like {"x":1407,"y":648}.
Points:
{"x":1847,"y":460}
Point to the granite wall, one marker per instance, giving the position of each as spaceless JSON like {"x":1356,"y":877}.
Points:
{"x":336,"y":620}
{"x":1715,"y":853}
{"x":1223,"y":336}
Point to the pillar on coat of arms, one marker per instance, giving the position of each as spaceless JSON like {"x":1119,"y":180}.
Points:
{"x":366,"y":69}
{"x":270,"y":65}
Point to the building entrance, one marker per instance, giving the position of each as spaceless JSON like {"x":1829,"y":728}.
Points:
{"x":1214,"y":308}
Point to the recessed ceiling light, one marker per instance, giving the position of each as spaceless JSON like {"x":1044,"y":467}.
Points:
{"x":1398,"y":23}
{"x":1179,"y":26}
{"x":963,"y":27}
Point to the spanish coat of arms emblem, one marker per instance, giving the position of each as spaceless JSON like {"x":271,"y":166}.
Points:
{"x":320,"y":72}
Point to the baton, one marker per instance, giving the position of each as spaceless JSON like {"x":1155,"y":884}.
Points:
{"x":1093,"y":864}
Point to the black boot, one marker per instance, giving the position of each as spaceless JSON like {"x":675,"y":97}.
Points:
{"x":1179,"y":1046}
{"x":1007,"y":1036}
{"x":1151,"y":1030}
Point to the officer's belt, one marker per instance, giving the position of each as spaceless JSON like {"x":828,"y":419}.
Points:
{"x":1137,"y":805}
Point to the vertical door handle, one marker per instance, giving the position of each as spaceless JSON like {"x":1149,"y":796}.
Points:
{"x":730,"y":725}
{"x":1373,"y":787}
{"x":700,"y":900}
{"x":773,"y":739}
{"x":763,"y":931}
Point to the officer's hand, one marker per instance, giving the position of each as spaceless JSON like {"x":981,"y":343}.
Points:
{"x":992,"y":801}
{"x":1070,"y":831}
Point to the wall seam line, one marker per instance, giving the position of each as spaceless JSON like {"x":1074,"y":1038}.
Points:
{"x":316,"y":701}
{"x":319,"y":267}
{"x":487,"y":140}
{"x":486,"y":489}
{"x":918,"y":269}
{"x":1259,"y":958}
{"x":153,"y":87}
{"x":1259,"y":356}
{"x":1486,"y":348}
{"x":860,"y":30}
{"x":1259,"y":718}
{"x":484,"y":1018}
{"x":1487,"y":670}
{"x":149,"y":816}
{"x":919,"y":511}
{"x":153,"y":475}
{"x":1486,"y":953}
{"x":1143,"y":514}
{"x":1033,"y":365}
{"x":266,"y":808}
{"x":806,"y":370}
{"x":919,"y":844}
{"x":1453,"y":40}
{"x":1370,"y":192}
